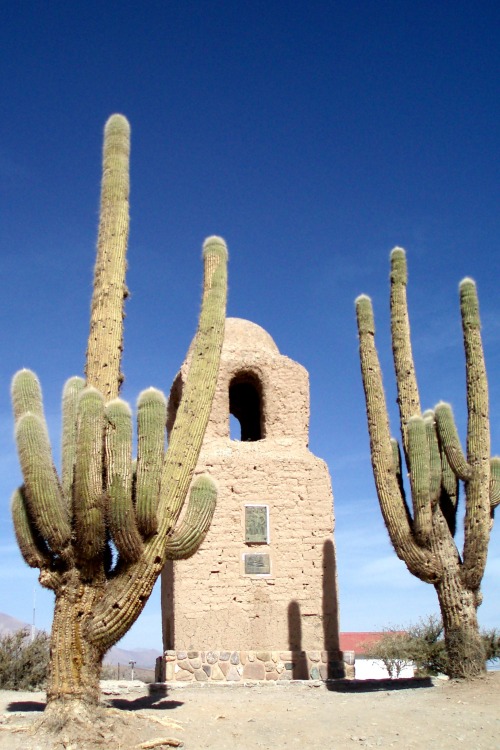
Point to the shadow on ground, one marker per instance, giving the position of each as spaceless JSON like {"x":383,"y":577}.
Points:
{"x":372,"y":686}
{"x":152,"y":701}
{"x":26,"y":706}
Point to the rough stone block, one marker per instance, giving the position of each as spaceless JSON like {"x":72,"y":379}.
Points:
{"x":224,"y":655}
{"x":314,"y":655}
{"x":272,"y":675}
{"x":193,"y":654}
{"x":201,"y":675}
{"x":235,"y":658}
{"x":217,"y":674}
{"x":233,"y":675}
{"x":263,"y":655}
{"x":184,"y":675}
{"x":212,"y":657}
{"x":195,"y":662}
{"x":254,"y":671}
{"x":207,"y":669}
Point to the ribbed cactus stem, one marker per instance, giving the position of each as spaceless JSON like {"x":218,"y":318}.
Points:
{"x":151,"y":420}
{"x":88,"y":493}
{"x":186,"y":539}
{"x":434,"y":457}
{"x":43,"y":491}
{"x":194,"y":410}
{"x":406,"y":379}
{"x":26,"y":394}
{"x":399,"y":270}
{"x":121,"y":516}
{"x":364,"y":313}
{"x":477,"y":513}
{"x":436,"y":463}
{"x":495,"y":481}
{"x":71,"y":395}
{"x":418,"y":560}
{"x":29,"y":541}
{"x":105,"y":344}
{"x":448,"y":435}
{"x":420,"y":479}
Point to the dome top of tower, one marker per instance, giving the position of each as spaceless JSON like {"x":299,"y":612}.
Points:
{"x":243,"y":334}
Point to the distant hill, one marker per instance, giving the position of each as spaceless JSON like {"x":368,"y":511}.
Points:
{"x":143,"y":657}
{"x":9,"y":624}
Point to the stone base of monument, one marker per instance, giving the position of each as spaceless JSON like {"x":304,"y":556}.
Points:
{"x":242,"y":666}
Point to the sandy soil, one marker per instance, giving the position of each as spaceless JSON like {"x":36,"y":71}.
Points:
{"x":409,"y":715}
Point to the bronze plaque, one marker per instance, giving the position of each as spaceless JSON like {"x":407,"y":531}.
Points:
{"x":256,"y":524}
{"x":257,"y":564}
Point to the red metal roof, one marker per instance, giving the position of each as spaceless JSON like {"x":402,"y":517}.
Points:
{"x":358,"y":641}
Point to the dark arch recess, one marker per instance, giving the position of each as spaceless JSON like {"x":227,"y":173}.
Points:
{"x":245,"y":404}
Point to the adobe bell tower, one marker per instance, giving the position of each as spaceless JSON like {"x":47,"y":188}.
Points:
{"x":258,"y":601}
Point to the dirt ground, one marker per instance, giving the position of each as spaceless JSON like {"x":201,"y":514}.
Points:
{"x":411,"y":715}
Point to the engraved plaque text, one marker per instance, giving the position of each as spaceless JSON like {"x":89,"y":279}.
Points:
{"x":257,"y":564}
{"x":256,"y":524}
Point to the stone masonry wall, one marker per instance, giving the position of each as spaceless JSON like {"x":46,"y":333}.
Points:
{"x":219,"y":617}
{"x":244,"y":666}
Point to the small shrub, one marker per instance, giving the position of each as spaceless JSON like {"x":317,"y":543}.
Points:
{"x":23,"y":661}
{"x":423,"y":645}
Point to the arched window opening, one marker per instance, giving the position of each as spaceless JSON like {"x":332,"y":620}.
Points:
{"x":245,"y":405}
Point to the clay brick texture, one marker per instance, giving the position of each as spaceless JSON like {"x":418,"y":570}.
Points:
{"x":265,"y":577}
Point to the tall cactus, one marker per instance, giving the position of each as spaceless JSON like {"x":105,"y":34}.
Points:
{"x":423,"y":536}
{"x":101,"y":533}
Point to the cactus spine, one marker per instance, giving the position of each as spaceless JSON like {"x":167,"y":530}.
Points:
{"x":101,"y":534}
{"x":423,"y":536}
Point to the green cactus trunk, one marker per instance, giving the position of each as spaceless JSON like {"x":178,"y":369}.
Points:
{"x":422,"y":533}
{"x":75,"y":663}
{"x":464,"y":646}
{"x":101,"y":533}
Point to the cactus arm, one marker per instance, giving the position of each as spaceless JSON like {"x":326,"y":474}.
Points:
{"x":396,"y":457}
{"x":495,"y":481}
{"x":406,"y":379}
{"x":120,"y":511}
{"x":151,"y":420}
{"x":26,"y":394}
{"x":71,"y":393}
{"x":34,"y":552}
{"x":105,"y":345}
{"x":478,"y":504}
{"x":450,"y":441}
{"x":420,"y":479}
{"x":43,"y":491}
{"x":127,"y":593}
{"x":194,"y":410}
{"x":434,"y":458}
{"x":190,"y":533}
{"x":88,"y":510}
{"x":419,"y":561}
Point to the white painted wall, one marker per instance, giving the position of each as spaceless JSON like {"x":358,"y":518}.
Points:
{"x":373,"y":669}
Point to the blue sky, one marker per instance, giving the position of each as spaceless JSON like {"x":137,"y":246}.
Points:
{"x":314,"y":137}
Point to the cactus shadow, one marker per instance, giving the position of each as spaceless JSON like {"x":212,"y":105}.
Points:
{"x":155,"y":700}
{"x":26,"y":706}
